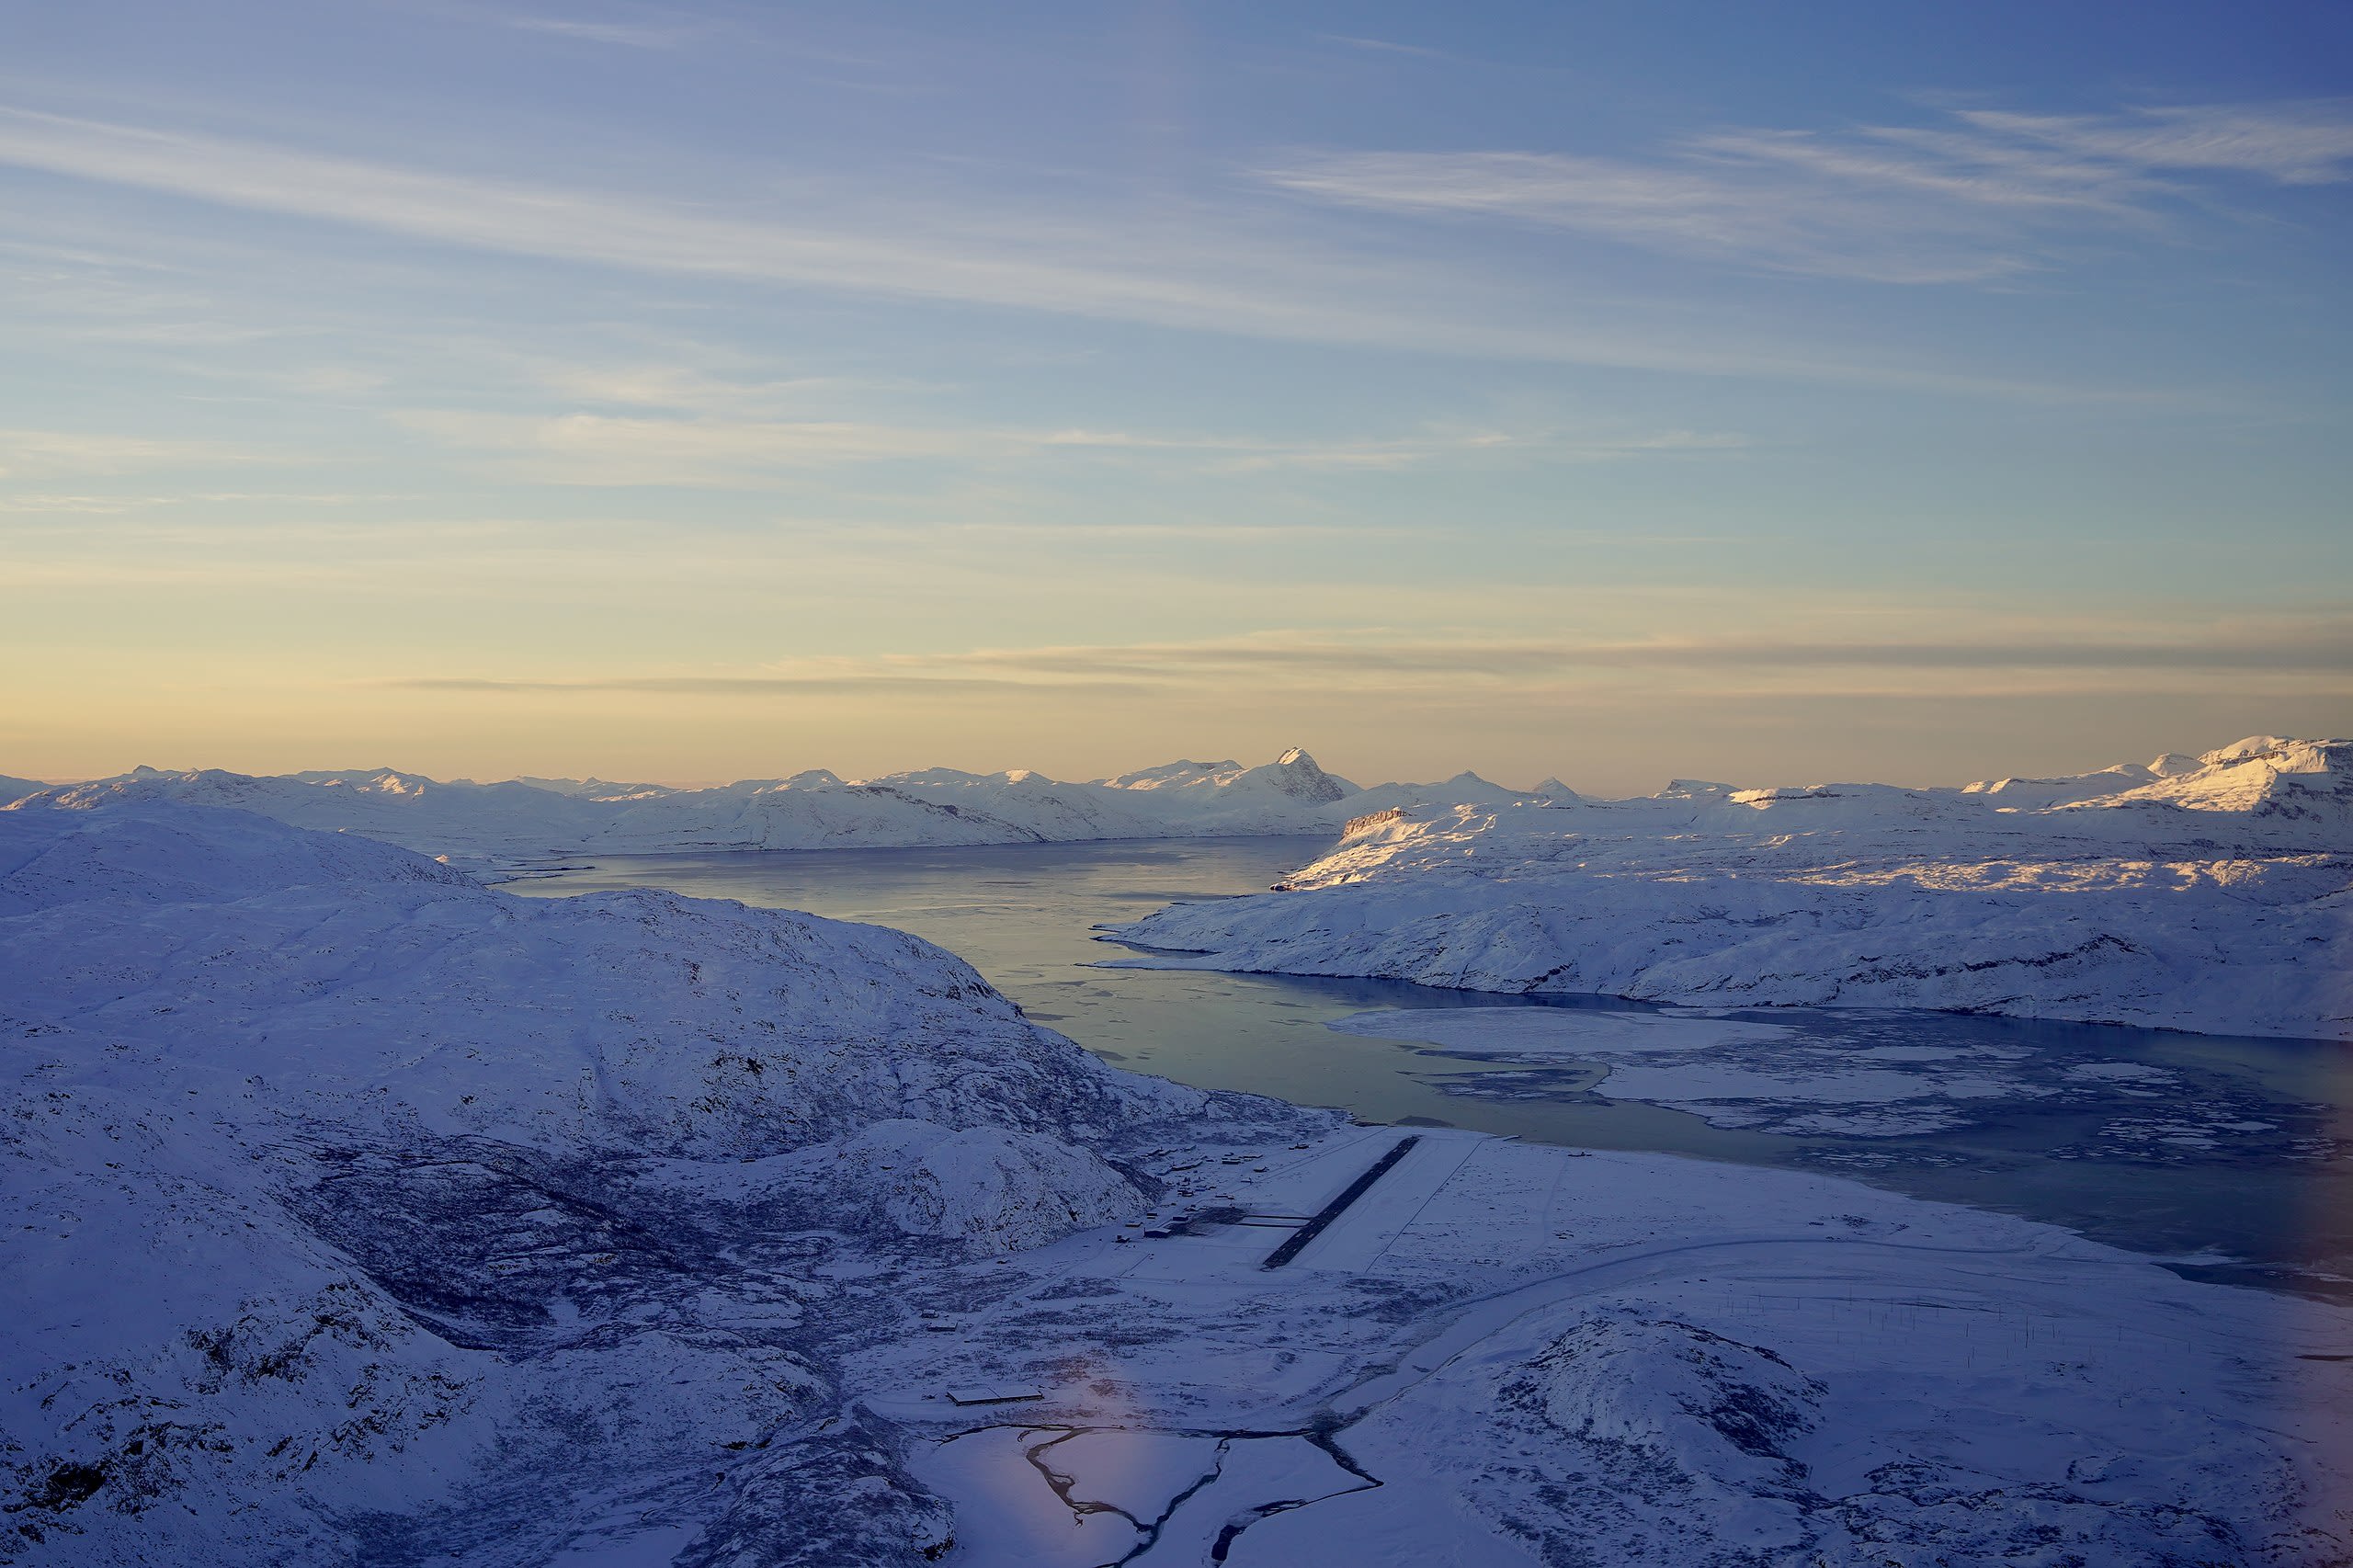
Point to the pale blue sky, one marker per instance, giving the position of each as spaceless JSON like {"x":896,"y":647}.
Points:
{"x":1608,"y":391}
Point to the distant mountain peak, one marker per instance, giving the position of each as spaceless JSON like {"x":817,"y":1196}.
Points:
{"x":2244,"y":750}
{"x":1295,"y":774}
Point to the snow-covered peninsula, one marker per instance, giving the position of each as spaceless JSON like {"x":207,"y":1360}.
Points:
{"x":2213,"y":892}
{"x":361,"y":1214}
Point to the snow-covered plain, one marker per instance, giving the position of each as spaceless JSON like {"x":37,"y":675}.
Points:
{"x":358,"y":1213}
{"x":2212,"y":893}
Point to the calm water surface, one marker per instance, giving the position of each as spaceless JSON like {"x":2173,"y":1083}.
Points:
{"x":2240,"y":1170}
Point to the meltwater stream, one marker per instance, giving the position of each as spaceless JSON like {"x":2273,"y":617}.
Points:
{"x":2231,"y":1158}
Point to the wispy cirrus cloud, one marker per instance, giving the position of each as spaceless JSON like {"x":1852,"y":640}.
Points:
{"x":2300,"y":143}
{"x":28,"y":453}
{"x":1977,"y":197}
{"x":618,"y":23}
{"x":688,"y":389}
{"x":2295,"y":648}
{"x":1212,"y":271}
{"x":56,"y":504}
{"x":622,"y":449}
{"x":1233,"y":267}
{"x":627,"y":35}
{"x":811,"y":682}
{"x":1384,"y":46}
{"x":2324,"y":643}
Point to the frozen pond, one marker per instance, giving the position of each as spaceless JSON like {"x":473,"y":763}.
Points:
{"x":2233,"y":1157}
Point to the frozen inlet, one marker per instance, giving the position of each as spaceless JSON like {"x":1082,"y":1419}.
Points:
{"x":993,"y":1393}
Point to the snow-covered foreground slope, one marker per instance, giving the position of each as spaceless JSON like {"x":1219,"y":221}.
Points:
{"x":2213,"y":893}
{"x":525,"y":818}
{"x":356,"y":1208}
{"x":358,"y":1214}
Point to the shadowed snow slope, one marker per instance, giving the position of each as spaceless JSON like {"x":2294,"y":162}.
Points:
{"x":2214,"y":894}
{"x":813,"y":810}
{"x":358,"y":1212}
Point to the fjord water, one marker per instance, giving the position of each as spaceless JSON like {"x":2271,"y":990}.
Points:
{"x":2216,"y":1198}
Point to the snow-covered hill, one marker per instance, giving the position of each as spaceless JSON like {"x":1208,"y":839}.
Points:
{"x":357,"y":1214}
{"x":352,"y":1202}
{"x":2213,"y":893}
{"x":813,"y":810}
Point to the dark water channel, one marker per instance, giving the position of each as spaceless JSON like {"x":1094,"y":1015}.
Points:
{"x":2238,"y":1167}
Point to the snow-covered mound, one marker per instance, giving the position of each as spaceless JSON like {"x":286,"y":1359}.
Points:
{"x":359,"y":1212}
{"x":2213,"y":895}
{"x":18,"y":788}
{"x":812,"y":810}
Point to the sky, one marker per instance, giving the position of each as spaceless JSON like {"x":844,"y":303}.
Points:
{"x":1617,"y":392}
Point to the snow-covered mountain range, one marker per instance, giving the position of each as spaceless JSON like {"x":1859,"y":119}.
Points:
{"x":2213,"y":892}
{"x":2204,"y":893}
{"x":358,"y":1214}
{"x":815,"y":810}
